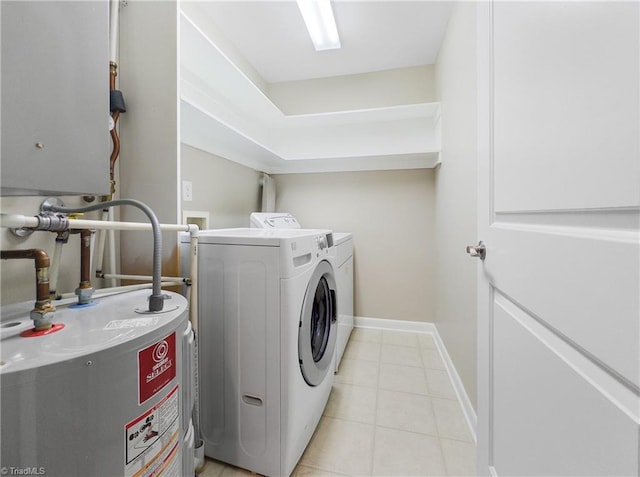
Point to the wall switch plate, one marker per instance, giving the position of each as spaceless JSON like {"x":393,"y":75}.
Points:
{"x":187,"y":191}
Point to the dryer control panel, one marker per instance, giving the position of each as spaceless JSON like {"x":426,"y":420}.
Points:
{"x":273,"y":220}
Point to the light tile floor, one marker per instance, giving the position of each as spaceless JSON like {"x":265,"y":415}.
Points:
{"x":392,"y":412}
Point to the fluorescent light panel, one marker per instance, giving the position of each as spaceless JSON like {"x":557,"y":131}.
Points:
{"x":318,"y":17}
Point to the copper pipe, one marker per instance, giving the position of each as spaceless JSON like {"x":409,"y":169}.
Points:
{"x":116,"y":146}
{"x":113,"y":72}
{"x":42,"y":314}
{"x":40,"y":256}
{"x":85,"y":289}
{"x":85,"y":258}
{"x":42,"y":269}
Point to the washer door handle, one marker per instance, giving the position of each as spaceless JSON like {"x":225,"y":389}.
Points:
{"x":334,"y":306}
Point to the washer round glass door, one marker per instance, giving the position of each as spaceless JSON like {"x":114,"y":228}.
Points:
{"x":317,"y":330}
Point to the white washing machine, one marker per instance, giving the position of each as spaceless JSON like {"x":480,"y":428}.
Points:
{"x":344,"y":271}
{"x":266,"y":340}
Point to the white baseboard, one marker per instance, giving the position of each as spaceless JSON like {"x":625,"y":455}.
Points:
{"x":394,"y":325}
{"x":428,"y":328}
{"x":467,"y":408}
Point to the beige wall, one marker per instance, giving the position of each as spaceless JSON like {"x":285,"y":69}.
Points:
{"x":351,"y":92}
{"x":225,"y":189}
{"x":390,"y":214}
{"x":149,"y":171}
{"x":455,"y":196}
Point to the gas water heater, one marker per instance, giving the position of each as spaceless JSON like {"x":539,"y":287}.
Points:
{"x":107,"y":391}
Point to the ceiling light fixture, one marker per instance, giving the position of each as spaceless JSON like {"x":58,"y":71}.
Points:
{"x":318,"y":17}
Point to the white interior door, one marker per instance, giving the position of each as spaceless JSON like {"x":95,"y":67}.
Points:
{"x":559,"y":213}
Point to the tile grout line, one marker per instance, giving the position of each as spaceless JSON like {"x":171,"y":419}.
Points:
{"x":410,"y":431}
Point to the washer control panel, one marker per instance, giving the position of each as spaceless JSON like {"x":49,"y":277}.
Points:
{"x":322,"y":242}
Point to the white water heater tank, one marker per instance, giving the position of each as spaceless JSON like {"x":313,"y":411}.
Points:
{"x":108,"y":391}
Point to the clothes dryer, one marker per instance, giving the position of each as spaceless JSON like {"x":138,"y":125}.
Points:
{"x":267,"y":334}
{"x":273,"y":220}
{"x":344,"y":278}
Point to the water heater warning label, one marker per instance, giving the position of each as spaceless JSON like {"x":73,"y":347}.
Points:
{"x":156,"y":367}
{"x":152,"y":441}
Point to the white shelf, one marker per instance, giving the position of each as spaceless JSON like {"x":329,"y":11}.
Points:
{"x":225,"y":113}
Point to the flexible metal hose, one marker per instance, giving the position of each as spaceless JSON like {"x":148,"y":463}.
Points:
{"x":156,"y":300}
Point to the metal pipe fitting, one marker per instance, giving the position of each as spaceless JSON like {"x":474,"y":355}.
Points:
{"x":156,"y":300}
{"x":43,"y":311}
{"x":52,"y":222}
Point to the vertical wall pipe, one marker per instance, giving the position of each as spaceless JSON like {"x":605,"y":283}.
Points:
{"x":113,"y":29}
{"x":94,"y":237}
{"x":85,"y":290}
{"x":61,"y":239}
{"x":116,"y":106}
{"x":102,"y":235}
{"x":193,"y":316}
{"x":85,"y":256}
{"x":113,"y":72}
{"x":112,"y":252}
{"x":193,"y":272}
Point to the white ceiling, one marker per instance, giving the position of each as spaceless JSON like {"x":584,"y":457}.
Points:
{"x":375,"y":35}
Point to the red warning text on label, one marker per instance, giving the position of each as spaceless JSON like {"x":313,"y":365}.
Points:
{"x":152,"y":440}
{"x":156,"y":367}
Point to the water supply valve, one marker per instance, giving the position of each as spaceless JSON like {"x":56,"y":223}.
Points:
{"x":42,"y":316}
{"x":84,"y":294}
